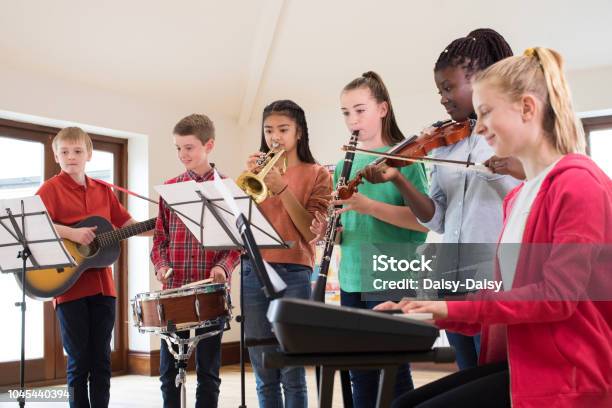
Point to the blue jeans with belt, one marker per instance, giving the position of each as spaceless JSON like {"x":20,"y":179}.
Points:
{"x":365,"y":382}
{"x":257,"y":326}
{"x":86,"y":326}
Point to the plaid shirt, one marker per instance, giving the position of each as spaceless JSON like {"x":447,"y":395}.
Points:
{"x":174,"y":246}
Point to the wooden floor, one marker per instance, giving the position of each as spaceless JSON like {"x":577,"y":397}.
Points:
{"x":139,"y":391}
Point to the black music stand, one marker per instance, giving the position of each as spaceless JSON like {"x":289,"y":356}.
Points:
{"x":214,"y":204}
{"x":38,"y":247}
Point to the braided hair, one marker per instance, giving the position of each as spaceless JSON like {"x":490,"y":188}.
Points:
{"x":475,"y":52}
{"x":391,"y":133}
{"x":292,"y":110}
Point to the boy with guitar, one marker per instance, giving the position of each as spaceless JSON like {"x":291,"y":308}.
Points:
{"x":86,"y":311}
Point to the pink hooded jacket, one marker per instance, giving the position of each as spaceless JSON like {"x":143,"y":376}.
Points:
{"x":557,"y":340}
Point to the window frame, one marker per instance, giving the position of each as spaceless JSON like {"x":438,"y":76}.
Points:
{"x":592,"y":124}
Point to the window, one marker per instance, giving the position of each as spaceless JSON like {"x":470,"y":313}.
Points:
{"x":598,"y":133}
{"x":20,"y":178}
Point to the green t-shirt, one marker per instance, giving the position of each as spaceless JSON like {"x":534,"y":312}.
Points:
{"x":359,"y":229}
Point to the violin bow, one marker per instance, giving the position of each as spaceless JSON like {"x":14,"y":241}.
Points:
{"x":440,"y":162}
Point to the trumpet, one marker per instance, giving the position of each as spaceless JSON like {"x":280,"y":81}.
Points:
{"x":252,"y":182}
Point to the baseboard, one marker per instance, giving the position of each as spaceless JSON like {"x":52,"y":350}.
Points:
{"x":143,"y":363}
{"x":147,"y":363}
{"x":230,"y":353}
{"x":430,"y":366}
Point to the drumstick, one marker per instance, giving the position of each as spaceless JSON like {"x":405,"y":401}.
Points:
{"x":197,"y":283}
{"x":168,"y":273}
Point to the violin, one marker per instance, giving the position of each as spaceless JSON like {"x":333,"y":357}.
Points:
{"x":415,"y":149}
{"x":447,"y":134}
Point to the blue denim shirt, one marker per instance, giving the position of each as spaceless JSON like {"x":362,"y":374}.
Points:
{"x":468,"y":204}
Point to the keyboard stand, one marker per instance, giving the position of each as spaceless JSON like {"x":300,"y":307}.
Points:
{"x":387,"y":362}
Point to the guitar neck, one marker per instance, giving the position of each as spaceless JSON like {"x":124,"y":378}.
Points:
{"x":126,"y":232}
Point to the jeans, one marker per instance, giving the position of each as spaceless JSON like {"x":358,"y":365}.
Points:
{"x":467,"y":349}
{"x":365,"y":382}
{"x":257,"y":326}
{"x":208,"y":362}
{"x":86,"y":327}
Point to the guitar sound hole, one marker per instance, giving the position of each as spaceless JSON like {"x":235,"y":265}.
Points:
{"x":88,"y":251}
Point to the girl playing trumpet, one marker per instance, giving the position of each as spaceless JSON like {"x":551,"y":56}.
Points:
{"x":298,"y":194}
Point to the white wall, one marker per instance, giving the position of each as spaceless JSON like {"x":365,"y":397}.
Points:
{"x":591,"y":89}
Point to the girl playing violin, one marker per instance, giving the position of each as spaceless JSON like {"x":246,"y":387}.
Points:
{"x":545,"y":341}
{"x":376,"y":214}
{"x":463,"y":205}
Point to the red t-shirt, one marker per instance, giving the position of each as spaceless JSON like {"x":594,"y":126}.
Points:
{"x":68,"y":203}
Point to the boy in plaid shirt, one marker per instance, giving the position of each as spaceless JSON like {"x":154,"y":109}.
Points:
{"x":175,"y":247}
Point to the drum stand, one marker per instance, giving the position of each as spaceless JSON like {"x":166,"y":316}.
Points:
{"x":181,"y":357}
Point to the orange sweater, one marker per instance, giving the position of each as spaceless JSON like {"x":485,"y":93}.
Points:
{"x":311,"y":184}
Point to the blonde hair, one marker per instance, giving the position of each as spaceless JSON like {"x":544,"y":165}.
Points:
{"x":74,"y":135}
{"x":539,"y":71}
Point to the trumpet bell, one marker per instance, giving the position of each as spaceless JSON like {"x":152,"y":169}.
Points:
{"x":253,"y":183}
{"x":253,"y":186}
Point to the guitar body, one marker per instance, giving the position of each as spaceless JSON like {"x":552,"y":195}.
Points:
{"x":48,"y":283}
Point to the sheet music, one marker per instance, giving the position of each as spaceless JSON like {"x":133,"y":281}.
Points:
{"x":226,"y":194}
{"x":184,"y":198}
{"x":37,"y":228}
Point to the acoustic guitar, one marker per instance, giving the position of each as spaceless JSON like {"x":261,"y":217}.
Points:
{"x":101,"y":252}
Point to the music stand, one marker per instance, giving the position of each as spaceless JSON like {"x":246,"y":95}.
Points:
{"x":204,"y":204}
{"x":37,"y":245}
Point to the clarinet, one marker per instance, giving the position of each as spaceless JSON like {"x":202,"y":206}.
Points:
{"x":333,"y":221}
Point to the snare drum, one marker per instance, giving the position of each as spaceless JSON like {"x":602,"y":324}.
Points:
{"x":181,"y":308}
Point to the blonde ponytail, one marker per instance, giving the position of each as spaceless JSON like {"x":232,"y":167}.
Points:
{"x":567,"y":128}
{"x":540,"y":71}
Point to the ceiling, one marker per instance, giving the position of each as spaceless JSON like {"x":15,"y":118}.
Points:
{"x":232,"y":57}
